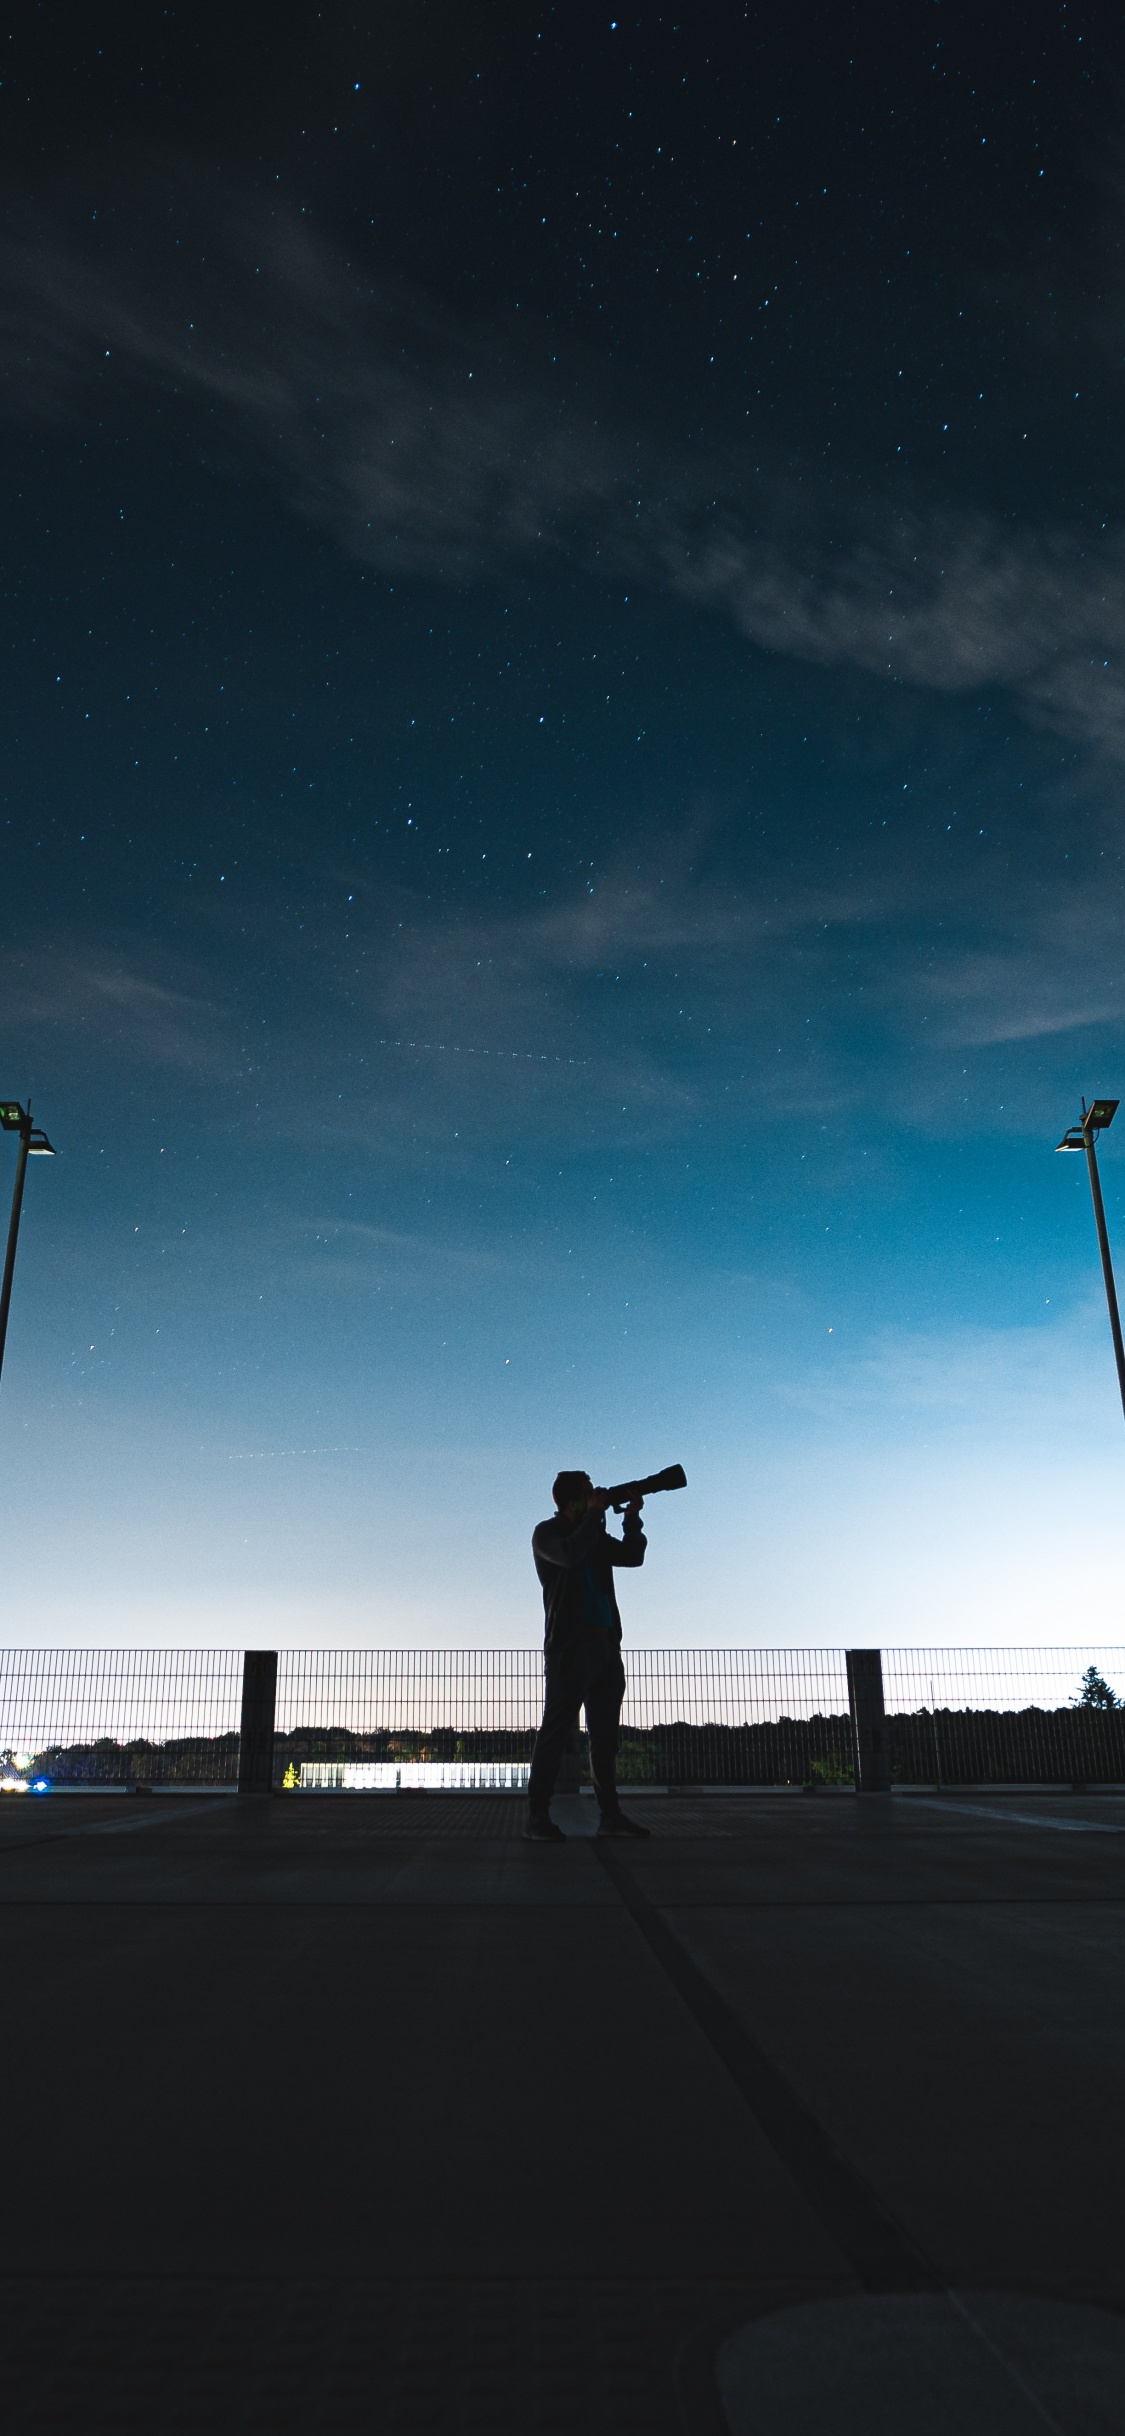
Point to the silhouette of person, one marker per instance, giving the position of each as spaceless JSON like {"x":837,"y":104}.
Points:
{"x":574,"y":1559}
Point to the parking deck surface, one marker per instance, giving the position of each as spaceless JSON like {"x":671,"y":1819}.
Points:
{"x":358,"y":2113}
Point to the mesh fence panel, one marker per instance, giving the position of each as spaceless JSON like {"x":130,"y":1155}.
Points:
{"x":120,"y":1716}
{"x":403,"y":1707}
{"x":736,"y":1717}
{"x":719,"y":1716}
{"x":1005,"y":1716}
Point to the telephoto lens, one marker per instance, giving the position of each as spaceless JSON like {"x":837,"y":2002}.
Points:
{"x":673,"y":1477}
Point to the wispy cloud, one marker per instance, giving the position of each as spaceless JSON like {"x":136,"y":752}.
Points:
{"x":972,"y":1381}
{"x":343,"y":1254}
{"x":666,"y":996}
{"x":985,"y":957}
{"x":117,"y":1007}
{"x":424,"y":447}
{"x":952,"y":603}
{"x":419,"y":447}
{"x":987,"y":998}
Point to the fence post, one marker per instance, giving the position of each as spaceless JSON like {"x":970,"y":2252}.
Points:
{"x":259,"y":1702}
{"x":869,"y":1720}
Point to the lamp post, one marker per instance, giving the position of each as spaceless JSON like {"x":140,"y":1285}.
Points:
{"x":33,"y":1144}
{"x":1095,"y":1119}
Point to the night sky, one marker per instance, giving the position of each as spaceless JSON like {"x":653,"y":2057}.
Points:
{"x":564,"y":727}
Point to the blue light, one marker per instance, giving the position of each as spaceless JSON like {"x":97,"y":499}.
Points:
{"x":41,"y":1785}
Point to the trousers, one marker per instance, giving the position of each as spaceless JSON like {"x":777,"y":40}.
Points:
{"x":586,"y":1672}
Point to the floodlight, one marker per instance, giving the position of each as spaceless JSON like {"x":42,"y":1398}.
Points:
{"x":1083,"y":1136}
{"x":33,"y":1143}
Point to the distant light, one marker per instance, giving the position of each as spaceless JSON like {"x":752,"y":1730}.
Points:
{"x":41,"y":1785}
{"x":13,"y":1784}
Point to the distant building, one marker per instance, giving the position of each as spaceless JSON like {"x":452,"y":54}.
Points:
{"x":413,"y":1775}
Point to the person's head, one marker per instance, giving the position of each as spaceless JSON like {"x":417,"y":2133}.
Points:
{"x":572,"y":1493}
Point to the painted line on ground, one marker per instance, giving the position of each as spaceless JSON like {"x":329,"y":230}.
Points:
{"x":880,"y":2251}
{"x":66,"y":1835}
{"x":1016,"y":1818}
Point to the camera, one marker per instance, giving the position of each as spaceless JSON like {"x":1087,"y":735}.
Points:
{"x":673,"y":1477}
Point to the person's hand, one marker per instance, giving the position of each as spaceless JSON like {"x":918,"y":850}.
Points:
{"x":597,"y":1502}
{"x":634,"y":1505}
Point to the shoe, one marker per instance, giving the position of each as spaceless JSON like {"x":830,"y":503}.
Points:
{"x":542,"y":1831}
{"x":614,"y":1822}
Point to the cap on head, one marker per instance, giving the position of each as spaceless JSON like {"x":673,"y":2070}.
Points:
{"x":570,"y":1486}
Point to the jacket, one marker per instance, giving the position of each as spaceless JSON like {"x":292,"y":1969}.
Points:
{"x":562,"y":1550}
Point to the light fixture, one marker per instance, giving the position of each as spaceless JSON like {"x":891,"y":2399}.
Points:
{"x":1095,"y":1119}
{"x":33,"y":1144}
{"x":1083,"y":1136}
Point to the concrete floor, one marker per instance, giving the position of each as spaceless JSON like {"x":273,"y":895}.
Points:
{"x":357,"y":2113}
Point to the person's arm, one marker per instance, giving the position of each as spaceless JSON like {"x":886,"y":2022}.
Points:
{"x":553,"y":1544}
{"x":631,"y":1549}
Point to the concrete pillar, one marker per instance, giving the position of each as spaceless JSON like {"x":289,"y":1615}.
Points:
{"x":869,"y":1721}
{"x":259,"y":1701}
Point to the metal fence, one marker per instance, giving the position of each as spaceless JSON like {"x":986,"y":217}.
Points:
{"x":1005,"y":1716}
{"x":120,"y":1716}
{"x":691,"y":1716}
{"x":363,"y":1720}
{"x":736,"y":1717}
{"x":376,"y":1719}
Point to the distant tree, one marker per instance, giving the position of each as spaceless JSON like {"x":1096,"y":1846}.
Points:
{"x":635,"y":1764}
{"x":833,"y":1771}
{"x":1096,"y":1693}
